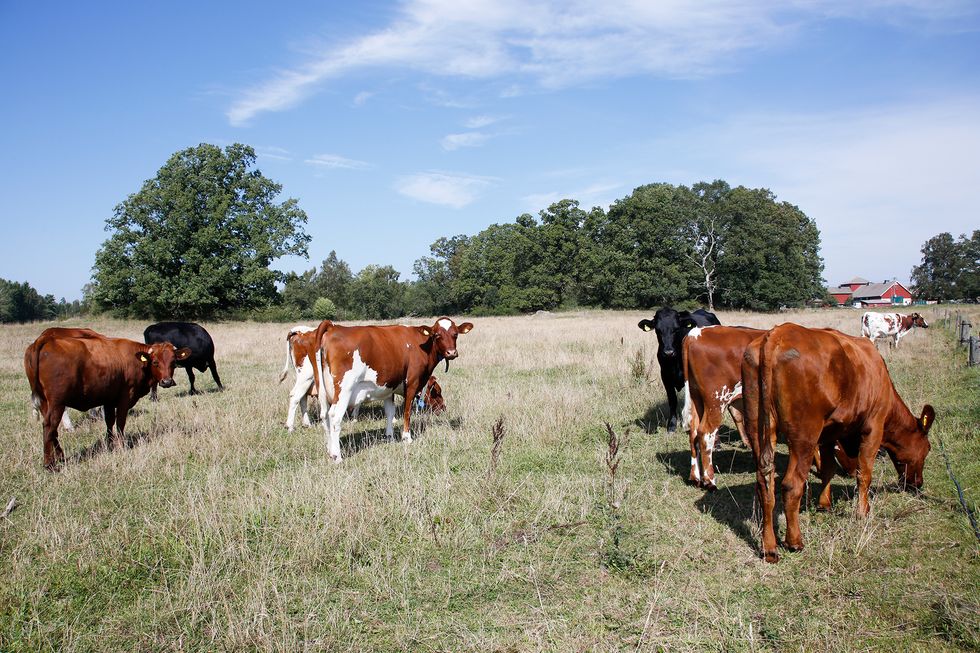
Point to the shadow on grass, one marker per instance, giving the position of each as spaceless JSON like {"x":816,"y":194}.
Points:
{"x":655,"y":417}
{"x":363,"y":435}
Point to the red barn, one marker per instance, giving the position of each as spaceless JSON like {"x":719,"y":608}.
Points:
{"x":864,"y":293}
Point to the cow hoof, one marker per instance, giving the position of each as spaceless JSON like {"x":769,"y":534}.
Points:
{"x":671,"y":428}
{"x":710,"y":487}
{"x":794,"y":548}
{"x":770,"y":556}
{"x":336,"y":459}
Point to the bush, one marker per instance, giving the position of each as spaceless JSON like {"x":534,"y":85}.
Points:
{"x":324,"y":309}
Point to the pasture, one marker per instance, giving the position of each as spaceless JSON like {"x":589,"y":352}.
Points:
{"x":218,"y":530}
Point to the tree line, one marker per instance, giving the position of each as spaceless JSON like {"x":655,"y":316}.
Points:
{"x":20,"y":302}
{"x":950,"y":269}
{"x":197,"y":241}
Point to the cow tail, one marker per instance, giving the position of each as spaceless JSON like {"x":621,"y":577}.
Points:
{"x":767,"y":413}
{"x":36,"y":393}
{"x":289,"y":356}
{"x":315,"y":359}
{"x":686,"y":410}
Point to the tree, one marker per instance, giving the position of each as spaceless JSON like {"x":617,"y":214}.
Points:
{"x":19,"y":302}
{"x":433,"y":293}
{"x":936,"y":277}
{"x":771,"y":253}
{"x":198,"y":239}
{"x":334,"y":280}
{"x":376,"y":293}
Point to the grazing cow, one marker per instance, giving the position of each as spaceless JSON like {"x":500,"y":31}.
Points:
{"x":83,"y":372}
{"x":301,"y":352}
{"x":819,"y":388}
{"x":431,"y":398}
{"x":671,"y":326}
{"x":894,"y":325}
{"x":186,"y":335}
{"x":363,"y":363}
{"x":712,"y":383}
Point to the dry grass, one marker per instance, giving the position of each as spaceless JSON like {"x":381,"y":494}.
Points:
{"x":218,"y":530}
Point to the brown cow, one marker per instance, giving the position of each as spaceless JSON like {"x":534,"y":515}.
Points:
{"x":376,"y":362}
{"x":818,"y":388}
{"x":432,"y":398}
{"x":301,"y":347}
{"x":82,"y":371}
{"x":713,"y":382}
{"x":61,"y":332}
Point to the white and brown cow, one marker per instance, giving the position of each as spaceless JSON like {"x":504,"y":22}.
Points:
{"x":364,"y":363}
{"x":300,"y":355}
{"x":893,"y":325}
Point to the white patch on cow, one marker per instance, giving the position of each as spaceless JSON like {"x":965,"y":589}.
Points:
{"x":446,"y":323}
{"x":694,"y":333}
{"x":686,"y":410}
{"x":709,"y":442}
{"x":408,"y":346}
{"x":359,"y":384}
{"x":406,"y":436}
{"x":299,"y":394}
{"x":725,"y":396}
{"x":694,"y":469}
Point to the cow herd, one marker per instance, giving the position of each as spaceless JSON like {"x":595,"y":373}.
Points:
{"x":827,"y":394}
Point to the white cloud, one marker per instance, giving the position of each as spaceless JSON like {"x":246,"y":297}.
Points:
{"x":478,"y":122}
{"x":467,"y":139}
{"x":271,"y":152}
{"x":361,"y":98}
{"x":566,"y":42}
{"x":597,"y":194}
{"x":336,"y":161}
{"x":446,"y":189}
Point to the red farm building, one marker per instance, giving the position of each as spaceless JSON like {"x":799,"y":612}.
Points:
{"x":862,"y":292}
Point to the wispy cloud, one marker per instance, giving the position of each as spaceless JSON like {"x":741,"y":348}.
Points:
{"x":479,"y":122}
{"x":560,"y":43}
{"x":443,"y":188}
{"x":361,"y":98}
{"x":336,"y":161}
{"x":270,"y":152}
{"x":597,"y":194}
{"x":467,"y":139}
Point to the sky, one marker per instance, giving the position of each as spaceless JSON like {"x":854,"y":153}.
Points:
{"x":396,"y":123}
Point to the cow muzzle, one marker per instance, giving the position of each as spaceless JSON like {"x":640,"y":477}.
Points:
{"x":167,"y":383}
{"x":451,"y":355}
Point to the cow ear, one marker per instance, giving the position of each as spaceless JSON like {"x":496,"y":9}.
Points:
{"x":646,"y":325}
{"x":182,"y":354}
{"x":927,"y":418}
{"x":689,"y":324}
{"x":425,"y":331}
{"x":465,"y":327}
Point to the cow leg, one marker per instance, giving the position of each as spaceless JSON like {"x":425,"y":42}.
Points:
{"x":695,"y":476}
{"x":153,"y":391}
{"x":297,"y":397}
{"x":53,"y":454}
{"x":411,"y":390}
{"x":794,"y":484}
{"x":112,"y":439}
{"x":672,"y":408}
{"x":335,"y":419}
{"x":389,"y":405}
{"x":305,"y":409}
{"x":214,"y":374}
{"x":735,"y":410}
{"x":827,"y":466}
{"x":190,"y":377}
{"x":865,"y":463}
{"x":707,"y":459}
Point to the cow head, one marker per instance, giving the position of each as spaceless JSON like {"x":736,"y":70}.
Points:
{"x":442,"y":337}
{"x":918,"y":321}
{"x":908,"y":450}
{"x":160,"y":360}
{"x":671,"y":326}
{"x":433,"y":396}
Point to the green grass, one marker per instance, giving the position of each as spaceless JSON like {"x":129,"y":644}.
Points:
{"x":218,"y":530}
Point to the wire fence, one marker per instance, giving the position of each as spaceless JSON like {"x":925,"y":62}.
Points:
{"x":962,"y":328}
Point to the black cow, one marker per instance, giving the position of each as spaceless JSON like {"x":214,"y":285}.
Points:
{"x":190,"y":335}
{"x":671,"y":327}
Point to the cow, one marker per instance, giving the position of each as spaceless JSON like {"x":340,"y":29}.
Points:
{"x":190,"y":336}
{"x":431,"y":398}
{"x":61,"y":332}
{"x":301,"y":354}
{"x":83,"y":372}
{"x":361,"y":363}
{"x":820,"y":388}
{"x":712,"y":383}
{"x":894,"y":325}
{"x":671,"y":326}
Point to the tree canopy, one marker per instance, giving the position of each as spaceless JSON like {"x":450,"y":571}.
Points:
{"x":950,"y":269}
{"x":197,"y":240}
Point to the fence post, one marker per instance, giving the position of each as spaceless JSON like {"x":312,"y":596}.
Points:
{"x":964,"y":332}
{"x":974,"y":351}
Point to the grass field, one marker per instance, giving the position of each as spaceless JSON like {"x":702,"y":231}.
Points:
{"x":218,"y":530}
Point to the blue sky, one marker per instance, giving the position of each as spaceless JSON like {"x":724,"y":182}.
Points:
{"x":395,"y":123}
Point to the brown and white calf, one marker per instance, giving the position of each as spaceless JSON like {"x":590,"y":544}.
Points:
{"x":301,"y":355}
{"x":890,"y":325}
{"x":818,"y":388}
{"x":712,"y":384}
{"x":83,"y":371}
{"x":364,"y":363}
